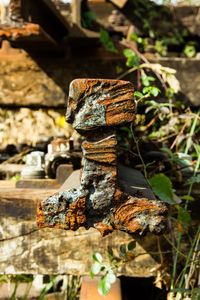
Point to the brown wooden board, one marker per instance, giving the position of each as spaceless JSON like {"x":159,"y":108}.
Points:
{"x":26,"y":249}
{"x":43,"y":82}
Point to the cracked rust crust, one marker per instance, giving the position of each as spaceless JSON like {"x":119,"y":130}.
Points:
{"x":96,"y":103}
{"x":95,"y":106}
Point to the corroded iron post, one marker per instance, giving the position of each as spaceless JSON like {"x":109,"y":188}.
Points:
{"x":95,"y":108}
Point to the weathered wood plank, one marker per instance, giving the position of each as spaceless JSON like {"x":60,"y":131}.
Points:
{"x":188,"y":75}
{"x":44,"y":82}
{"x":26,"y":249}
{"x":119,"y":3}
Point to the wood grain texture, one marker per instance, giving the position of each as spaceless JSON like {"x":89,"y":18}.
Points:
{"x":26,"y":249}
{"x":44,"y":81}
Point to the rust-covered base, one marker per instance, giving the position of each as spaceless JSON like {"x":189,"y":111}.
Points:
{"x":133,"y":215}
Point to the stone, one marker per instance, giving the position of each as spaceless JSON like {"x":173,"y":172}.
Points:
{"x":95,"y":108}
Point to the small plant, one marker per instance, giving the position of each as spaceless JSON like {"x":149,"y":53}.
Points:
{"x":106,"y":41}
{"x":161,"y":47}
{"x":108,"y":268}
{"x":189,"y":50}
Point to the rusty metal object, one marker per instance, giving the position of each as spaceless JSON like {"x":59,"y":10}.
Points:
{"x":24,"y":30}
{"x":95,"y":108}
{"x":61,"y":151}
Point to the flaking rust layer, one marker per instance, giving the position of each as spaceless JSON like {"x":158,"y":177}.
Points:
{"x":95,"y":108}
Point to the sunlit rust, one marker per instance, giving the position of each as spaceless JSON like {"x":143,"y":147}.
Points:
{"x":95,"y":108}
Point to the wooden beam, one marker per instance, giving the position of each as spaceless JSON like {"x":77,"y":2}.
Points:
{"x":26,"y":32}
{"x":76,"y":12}
{"x":28,"y":250}
{"x":119,"y":3}
{"x":33,"y":20}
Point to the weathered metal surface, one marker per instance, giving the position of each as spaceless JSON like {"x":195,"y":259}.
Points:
{"x":95,"y":107}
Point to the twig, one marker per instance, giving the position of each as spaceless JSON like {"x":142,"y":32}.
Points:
{"x":151,"y":122}
{"x":175,"y":248}
{"x":139,"y":153}
{"x":192,"y":266}
{"x":143,"y":58}
{"x":16,"y":157}
{"x":178,"y":135}
{"x":192,"y":130}
{"x":129,"y":71}
{"x":160,"y":251}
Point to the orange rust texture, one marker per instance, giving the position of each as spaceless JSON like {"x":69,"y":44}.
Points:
{"x":103,"y":228}
{"x":117,"y":98}
{"x":102,"y":151}
{"x":118,"y":197}
{"x":40,"y":216}
{"x":129,"y":213}
{"x":18,"y":32}
{"x":75,"y":216}
{"x":120,"y":107}
{"x":100,"y":202}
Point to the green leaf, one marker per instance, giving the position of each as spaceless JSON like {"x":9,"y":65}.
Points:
{"x":131,"y":245}
{"x":128,"y":52}
{"x":91,"y":274}
{"x":152,"y":90}
{"x":169,"y":92}
{"x":155,"y":91}
{"x":146,"y":90}
{"x":104,"y":286}
{"x":111,"y":277}
{"x":95,"y":268}
{"x":134,"y":37}
{"x":132,"y":58}
{"x":104,"y":36}
{"x":193,"y":179}
{"x":138,"y":94}
{"x":118,"y":69}
{"x":161,"y":48}
{"x":97,"y":257}
{"x":106,"y":41}
{"x":162,"y":187}
{"x":146,"y":80}
{"x":195,"y":293}
{"x":197,"y":148}
{"x":184,"y":216}
{"x":189,"y":50}
{"x":87,"y":18}
{"x":187,"y":198}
